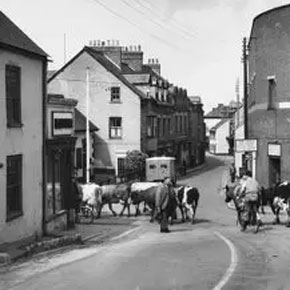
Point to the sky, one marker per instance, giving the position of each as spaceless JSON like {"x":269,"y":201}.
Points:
{"x":197,"y":42}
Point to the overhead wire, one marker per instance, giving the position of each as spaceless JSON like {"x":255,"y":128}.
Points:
{"x":170,"y":44}
{"x":173,"y":21}
{"x":152,"y":20}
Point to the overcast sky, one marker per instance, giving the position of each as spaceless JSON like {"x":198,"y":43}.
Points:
{"x":198,"y":42}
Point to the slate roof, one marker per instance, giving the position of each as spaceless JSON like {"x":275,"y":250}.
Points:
{"x":12,"y":36}
{"x":80,"y":123}
{"x":105,"y":62}
{"x":138,"y":78}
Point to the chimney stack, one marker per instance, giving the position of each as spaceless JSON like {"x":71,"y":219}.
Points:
{"x":155,"y":65}
{"x":133,"y":57}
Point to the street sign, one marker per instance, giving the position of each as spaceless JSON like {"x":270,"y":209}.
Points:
{"x":245,"y":145}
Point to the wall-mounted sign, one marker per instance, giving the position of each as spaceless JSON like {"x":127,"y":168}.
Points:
{"x":274,"y":149}
{"x":246,"y":145}
{"x":62,"y":123}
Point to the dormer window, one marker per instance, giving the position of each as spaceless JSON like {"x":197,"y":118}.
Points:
{"x":115,"y":95}
{"x":154,"y":81}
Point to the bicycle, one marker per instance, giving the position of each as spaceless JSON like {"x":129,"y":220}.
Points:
{"x":86,"y":214}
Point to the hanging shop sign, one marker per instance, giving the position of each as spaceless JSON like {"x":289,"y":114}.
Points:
{"x":274,"y":149}
{"x":62,"y":123}
{"x":246,"y":145}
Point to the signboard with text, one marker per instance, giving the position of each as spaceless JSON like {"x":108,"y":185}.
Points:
{"x":246,"y":145}
{"x":274,"y":149}
{"x":62,"y":123}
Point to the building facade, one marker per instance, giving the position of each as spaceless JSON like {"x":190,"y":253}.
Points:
{"x":114,"y":106}
{"x":269,"y":94}
{"x":22,"y":133}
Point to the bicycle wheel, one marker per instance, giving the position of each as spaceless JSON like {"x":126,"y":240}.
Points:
{"x":86,"y":215}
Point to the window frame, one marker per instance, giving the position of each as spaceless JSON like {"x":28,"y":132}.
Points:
{"x":13,"y":96}
{"x":271,"y":93}
{"x":116,"y":95}
{"x":18,"y":171}
{"x":118,"y":128}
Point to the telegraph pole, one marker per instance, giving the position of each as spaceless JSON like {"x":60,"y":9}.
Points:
{"x":245,"y":68}
{"x":87,"y":125}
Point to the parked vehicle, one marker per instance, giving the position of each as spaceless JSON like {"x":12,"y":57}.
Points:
{"x":159,"y":168}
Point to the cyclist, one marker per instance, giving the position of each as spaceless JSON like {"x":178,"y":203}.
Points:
{"x":250,"y":192}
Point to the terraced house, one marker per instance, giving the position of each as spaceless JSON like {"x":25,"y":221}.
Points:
{"x":22,"y":133}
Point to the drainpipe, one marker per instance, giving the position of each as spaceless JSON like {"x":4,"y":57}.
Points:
{"x":44,"y":104}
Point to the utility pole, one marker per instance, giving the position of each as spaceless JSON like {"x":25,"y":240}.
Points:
{"x":87,"y":126}
{"x":238,"y":101}
{"x":245,"y":68}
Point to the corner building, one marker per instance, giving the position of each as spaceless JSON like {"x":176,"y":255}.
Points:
{"x":269,"y":94}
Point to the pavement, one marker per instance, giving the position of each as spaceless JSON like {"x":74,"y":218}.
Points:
{"x":100,"y":231}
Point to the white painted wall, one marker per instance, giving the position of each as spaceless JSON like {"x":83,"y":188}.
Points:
{"x":27,"y":141}
{"x":71,"y":82}
{"x":223,"y":131}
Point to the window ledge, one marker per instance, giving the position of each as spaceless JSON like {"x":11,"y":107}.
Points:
{"x":115,"y":102}
{"x":14,"y":216}
{"x":115,"y":138}
{"x":11,"y":126}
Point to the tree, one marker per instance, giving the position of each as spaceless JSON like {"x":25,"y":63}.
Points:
{"x":135,"y":163}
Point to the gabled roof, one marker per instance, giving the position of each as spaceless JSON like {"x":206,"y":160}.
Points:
{"x":80,"y":123}
{"x":105,"y":62}
{"x":219,"y":124}
{"x":12,"y":36}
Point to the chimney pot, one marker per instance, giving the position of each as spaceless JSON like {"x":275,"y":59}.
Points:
{"x":99,"y":42}
{"x":108,"y":42}
{"x":94,"y":43}
{"x":117,"y":42}
{"x":103,"y":43}
{"x":157,"y":61}
{"x":139,"y":47}
{"x":153,"y":61}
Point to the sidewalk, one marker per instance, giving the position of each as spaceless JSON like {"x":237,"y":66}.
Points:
{"x":100,"y":231}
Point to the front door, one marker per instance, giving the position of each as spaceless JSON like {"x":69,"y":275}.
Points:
{"x":274,"y":171}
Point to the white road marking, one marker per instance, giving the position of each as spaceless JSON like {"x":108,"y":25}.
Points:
{"x":232,"y":267}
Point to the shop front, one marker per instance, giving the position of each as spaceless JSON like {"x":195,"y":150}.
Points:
{"x":60,"y":148}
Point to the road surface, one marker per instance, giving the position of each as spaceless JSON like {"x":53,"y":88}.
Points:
{"x":211,"y":254}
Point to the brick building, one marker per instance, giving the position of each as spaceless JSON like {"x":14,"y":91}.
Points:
{"x":269,"y":94}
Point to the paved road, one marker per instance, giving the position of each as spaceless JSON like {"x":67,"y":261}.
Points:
{"x":211,"y":254}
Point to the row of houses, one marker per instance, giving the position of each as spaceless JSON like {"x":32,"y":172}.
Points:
{"x":263,"y":145}
{"x":130,"y":106}
{"x":220,"y":128}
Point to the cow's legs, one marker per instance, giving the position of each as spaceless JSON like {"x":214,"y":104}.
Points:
{"x":99,"y":210}
{"x":137,"y":210}
{"x":153,"y":214}
{"x":124,"y":207}
{"x":182,"y":212}
{"x":111,"y":209}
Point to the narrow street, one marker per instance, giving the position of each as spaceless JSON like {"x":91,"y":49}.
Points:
{"x":211,"y":254}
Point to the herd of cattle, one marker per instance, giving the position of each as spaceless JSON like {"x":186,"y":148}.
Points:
{"x":136,"y":193}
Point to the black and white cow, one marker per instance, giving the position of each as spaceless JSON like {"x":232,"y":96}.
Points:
{"x":187,"y":197}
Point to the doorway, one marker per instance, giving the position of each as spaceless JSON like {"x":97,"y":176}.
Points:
{"x":274,"y":171}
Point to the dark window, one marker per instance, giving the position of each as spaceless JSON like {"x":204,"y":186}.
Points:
{"x":115,"y":94}
{"x":14,"y":186}
{"x":115,"y":128}
{"x":63,"y":123}
{"x":79,"y":158}
{"x":271,"y":93}
{"x":163,"y":166}
{"x":164,"y":127}
{"x":121,"y":166}
{"x":13,"y":95}
{"x":157,"y":96}
{"x":152,"y":166}
{"x":151,"y":126}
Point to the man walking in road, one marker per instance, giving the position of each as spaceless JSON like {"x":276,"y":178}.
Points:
{"x":233,"y":172}
{"x":165,"y":203}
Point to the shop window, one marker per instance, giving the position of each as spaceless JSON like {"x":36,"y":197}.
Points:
{"x":115,"y":128}
{"x":14,"y":186}
{"x":115,"y":94}
{"x":13,"y":95}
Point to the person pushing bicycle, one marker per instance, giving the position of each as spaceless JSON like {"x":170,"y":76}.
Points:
{"x":250,"y":192}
